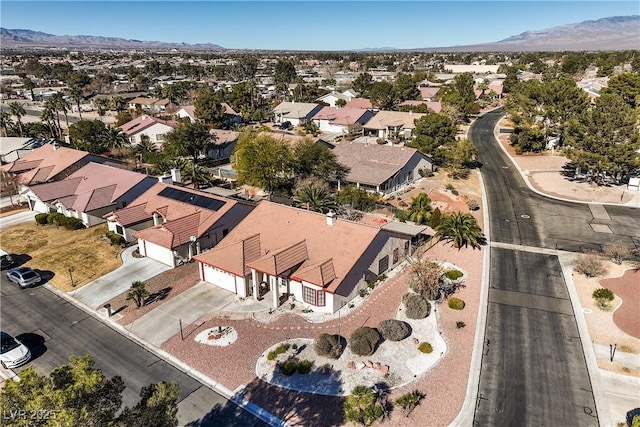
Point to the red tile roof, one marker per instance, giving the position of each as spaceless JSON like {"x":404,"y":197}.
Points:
{"x":432,"y":105}
{"x":428,"y":92}
{"x":141,"y":123}
{"x":362,"y":103}
{"x":43,"y":163}
{"x":340,"y":116}
{"x":285,"y":233}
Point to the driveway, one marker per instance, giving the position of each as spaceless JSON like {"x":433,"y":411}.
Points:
{"x":17,"y":218}
{"x":99,"y":291}
{"x":163,"y":322}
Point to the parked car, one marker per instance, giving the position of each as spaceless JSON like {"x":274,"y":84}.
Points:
{"x":6,"y":260}
{"x":23,"y":276}
{"x":12,"y":352}
{"x":285,"y":125}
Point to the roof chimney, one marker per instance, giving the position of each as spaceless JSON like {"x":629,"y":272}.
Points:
{"x":331,"y":218}
{"x":175,"y":175}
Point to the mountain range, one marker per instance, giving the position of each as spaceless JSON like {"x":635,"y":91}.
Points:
{"x":612,"y":33}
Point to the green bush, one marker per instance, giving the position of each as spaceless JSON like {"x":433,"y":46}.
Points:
{"x":115,"y":238}
{"x":416,"y":307}
{"x":455,"y":303}
{"x":41,"y":218}
{"x":393,"y":330}
{"x":54,"y":218}
{"x":425,"y":347}
{"x":603,"y":293}
{"x":364,"y":341}
{"x":271,"y":355}
{"x":282,"y":348}
{"x":328,"y":346}
{"x":293,"y":365}
{"x":71,"y":223}
{"x":453,"y":274}
{"x":409,"y":401}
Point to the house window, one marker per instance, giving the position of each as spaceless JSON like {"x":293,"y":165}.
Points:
{"x":313,"y":296}
{"x":383,"y":264}
{"x":396,"y":255}
{"x":406,"y":247}
{"x":119,"y":230}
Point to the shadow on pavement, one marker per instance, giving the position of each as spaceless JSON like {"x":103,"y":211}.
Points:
{"x":20,"y":259}
{"x":45,"y":276}
{"x":35,"y":343}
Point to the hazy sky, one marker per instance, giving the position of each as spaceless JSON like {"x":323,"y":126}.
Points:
{"x":306,"y":25}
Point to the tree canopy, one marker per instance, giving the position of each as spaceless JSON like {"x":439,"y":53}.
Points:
{"x":188,"y":139}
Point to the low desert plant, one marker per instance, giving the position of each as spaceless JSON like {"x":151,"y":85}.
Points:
{"x":590,"y":265}
{"x":328,"y":345}
{"x":603,"y":297}
{"x":409,"y":401}
{"x":416,"y":307}
{"x":271,"y":355}
{"x":453,"y":274}
{"x":364,"y":341}
{"x":362,"y":407}
{"x":617,"y":253}
{"x":460,"y":325}
{"x":293,"y":365}
{"x":449,"y":187}
{"x":282,"y":348}
{"x":455,"y":303}
{"x":393,"y":330}
{"x":473,"y":204}
{"x":425,"y":347}
{"x":138,"y":293}
{"x":362,"y":293}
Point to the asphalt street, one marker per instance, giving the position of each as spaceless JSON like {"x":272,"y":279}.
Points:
{"x":533,"y":366}
{"x":54,"y":329}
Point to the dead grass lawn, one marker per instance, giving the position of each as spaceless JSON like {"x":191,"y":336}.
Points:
{"x":87,"y":253}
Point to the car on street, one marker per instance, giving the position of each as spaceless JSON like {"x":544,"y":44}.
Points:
{"x":6,"y":260}
{"x":12,"y":352}
{"x":23,"y":276}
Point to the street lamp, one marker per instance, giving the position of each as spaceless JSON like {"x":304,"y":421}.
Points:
{"x":73,"y":285}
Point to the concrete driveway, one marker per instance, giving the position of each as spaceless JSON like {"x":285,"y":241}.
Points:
{"x":17,"y":218}
{"x":100,"y":291}
{"x":162,"y":323}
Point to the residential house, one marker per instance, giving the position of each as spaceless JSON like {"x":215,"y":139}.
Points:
{"x":281,"y":253}
{"x":332,"y":97}
{"x":89,"y":193}
{"x":231,"y":116}
{"x":434,"y":106}
{"x":341,"y":120}
{"x":224,"y":145}
{"x":381,"y":168}
{"x":363,"y":103}
{"x":295,"y":112}
{"x":51,"y":162}
{"x":149,"y":105}
{"x":152,"y":127}
{"x":391,"y":124}
{"x":173,"y":223}
{"x":428,"y":93}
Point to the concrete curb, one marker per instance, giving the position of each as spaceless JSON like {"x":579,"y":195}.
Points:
{"x":597,"y":387}
{"x":467,"y":412}
{"x":236,"y":398}
{"x":525,"y":178}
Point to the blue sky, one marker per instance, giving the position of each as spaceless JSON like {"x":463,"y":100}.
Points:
{"x":306,"y":25}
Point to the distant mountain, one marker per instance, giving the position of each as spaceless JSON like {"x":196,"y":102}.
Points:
{"x":35,"y":39}
{"x":613,"y":33}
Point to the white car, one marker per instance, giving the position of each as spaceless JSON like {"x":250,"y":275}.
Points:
{"x":12,"y":352}
{"x":23,"y":276}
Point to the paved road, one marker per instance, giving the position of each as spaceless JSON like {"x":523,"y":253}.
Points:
{"x":54,"y":329}
{"x":533,"y":365}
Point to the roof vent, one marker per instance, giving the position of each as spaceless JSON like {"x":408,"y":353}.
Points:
{"x":331,"y":218}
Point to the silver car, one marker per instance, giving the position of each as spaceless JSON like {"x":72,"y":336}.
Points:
{"x":23,"y":276}
{"x":12,"y":352}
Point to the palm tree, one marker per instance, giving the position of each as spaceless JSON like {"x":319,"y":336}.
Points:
{"x":101,"y":104}
{"x":47,"y":116}
{"x":315,"y":199}
{"x":145,"y":147}
{"x":76,"y":95}
{"x":51,"y":105}
{"x":62,"y":105}
{"x":114,"y":138}
{"x":16,"y":109}
{"x":196,"y":174}
{"x":420,"y":209}
{"x":117,"y":103}
{"x":460,"y":229}
{"x":138,"y":293}
{"x":5,"y":122}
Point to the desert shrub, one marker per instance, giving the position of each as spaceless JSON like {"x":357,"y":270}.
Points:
{"x":455,"y":192}
{"x":71,"y":223}
{"x":364,"y":341}
{"x":603,"y":297}
{"x":115,"y":238}
{"x":328,"y":345}
{"x":282,"y":348}
{"x":460,"y":325}
{"x":436,"y":218}
{"x":41,"y":218}
{"x":449,"y":187}
{"x":455,"y":303}
{"x":293,"y":365}
{"x":294,"y":346}
{"x":453,"y":274}
{"x":416,"y":307}
{"x":425,"y":347}
{"x":393,"y":330}
{"x":473,"y":204}
{"x":590,"y":265}
{"x":271,"y":355}
{"x":617,"y":253}
{"x":425,"y":279}
{"x":362,"y":407}
{"x":408,"y":401}
{"x":362,"y":293}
